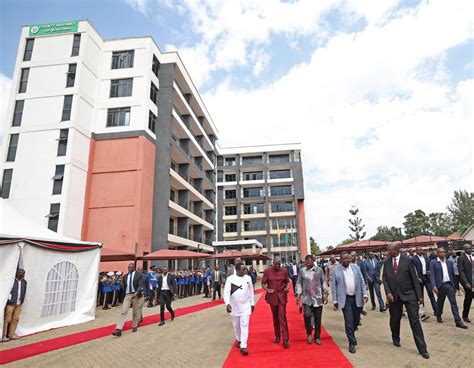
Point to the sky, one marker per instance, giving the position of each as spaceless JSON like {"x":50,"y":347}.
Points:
{"x":379,"y":93}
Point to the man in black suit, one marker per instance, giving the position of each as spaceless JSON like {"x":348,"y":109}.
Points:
{"x":13,"y":307}
{"x":133,"y":286}
{"x":422,"y":267}
{"x":465,"y":268}
{"x":167,"y":292}
{"x":402,"y":288}
{"x":216,"y":286}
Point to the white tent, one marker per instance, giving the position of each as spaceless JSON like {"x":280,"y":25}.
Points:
{"x":61,"y":273}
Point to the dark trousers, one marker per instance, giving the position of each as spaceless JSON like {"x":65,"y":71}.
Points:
{"x":311,"y":313}
{"x":165,"y":299}
{"x":217,"y":289}
{"x":206,"y":290}
{"x":375,"y":284}
{"x":279,"y":321}
{"x":351,"y":314}
{"x":467,"y":302}
{"x":294,"y":279}
{"x":198,"y":288}
{"x":447,"y":289}
{"x":396,"y":309}
{"x":115,"y":298}
{"x":151,"y":297}
{"x":425,"y":282}
{"x":107,"y":300}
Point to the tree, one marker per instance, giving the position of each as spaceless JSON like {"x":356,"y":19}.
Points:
{"x":346,"y":241}
{"x":461,"y":210}
{"x":388,"y":234}
{"x":440,"y":224}
{"x":416,"y":223}
{"x":330,"y":247}
{"x":314,"y":246}
{"x":356,"y":225}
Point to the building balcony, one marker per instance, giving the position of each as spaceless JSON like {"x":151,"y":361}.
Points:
{"x":181,"y":210}
{"x":250,"y":233}
{"x":180,"y":182}
{"x":250,"y":216}
{"x":252,"y":182}
{"x":283,"y":214}
{"x":179,"y":241}
{"x":230,"y":235}
{"x":280,"y":180}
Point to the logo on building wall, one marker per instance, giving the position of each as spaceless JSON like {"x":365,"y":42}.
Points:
{"x":54,"y":28}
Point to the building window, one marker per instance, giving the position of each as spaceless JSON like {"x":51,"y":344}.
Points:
{"x":67,"y":107}
{"x":71,"y":75}
{"x":230,"y":177}
{"x":252,"y":161}
{"x":118,"y":117}
{"x":282,"y":206}
{"x":253,"y":175}
{"x":155,"y":66}
{"x":230,"y":194}
{"x":231,"y":227}
{"x":152,"y":121}
{"x":25,"y":72}
{"x":285,"y":224}
{"x":231,"y":211}
{"x":53,"y":216}
{"x":280,"y":174}
{"x":253,"y":192}
{"x":121,"y":87}
{"x":230,"y":161}
{"x":18,"y":113}
{"x":154,"y":93}
{"x":58,"y":179}
{"x":281,"y":190}
{"x":6,"y":183}
{"x":12,"y":147}
{"x":28,"y":49}
{"x":279,"y":159}
{"x":76,"y":44}
{"x":122,"y":59}
{"x":254,"y":225}
{"x":61,"y":290}
{"x":62,"y":142}
{"x":254,"y":208}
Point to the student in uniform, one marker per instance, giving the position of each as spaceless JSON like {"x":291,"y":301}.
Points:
{"x":152,"y":282}
{"x":108,"y":289}
{"x":192,"y":284}
{"x":117,"y":286}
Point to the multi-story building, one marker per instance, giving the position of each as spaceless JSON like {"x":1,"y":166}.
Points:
{"x":109,"y":140}
{"x":260,"y":195}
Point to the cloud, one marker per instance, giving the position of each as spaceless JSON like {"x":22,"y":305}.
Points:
{"x":141,"y":6}
{"x":5,"y":86}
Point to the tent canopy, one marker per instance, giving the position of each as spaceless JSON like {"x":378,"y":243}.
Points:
{"x":424,"y":240}
{"x":112,"y":255}
{"x":171,"y":254}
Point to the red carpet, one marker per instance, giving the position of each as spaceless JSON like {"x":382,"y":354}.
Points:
{"x":264,"y":353}
{"x":26,"y":351}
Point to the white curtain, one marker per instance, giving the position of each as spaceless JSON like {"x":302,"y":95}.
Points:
{"x":9,"y":255}
{"x":62,"y":288}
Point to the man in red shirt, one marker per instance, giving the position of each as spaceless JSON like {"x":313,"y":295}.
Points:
{"x":276,"y":283}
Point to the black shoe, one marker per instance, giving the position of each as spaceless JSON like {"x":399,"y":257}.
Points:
{"x":277,"y":340}
{"x":244,"y":351}
{"x":309,"y":339}
{"x":117,"y":333}
{"x":383,"y":309}
{"x":364,"y":313}
{"x":317,"y":341}
{"x":161,"y":323}
{"x":373,"y":307}
{"x":459,"y":324}
{"x":397,"y":344}
{"x":352,"y":349}
{"x":172,"y":316}
{"x":425,"y":355}
{"x":286,"y":344}
{"x":237,"y":345}
{"x":134,"y":329}
{"x":466,"y":319}
{"x":439,"y":319}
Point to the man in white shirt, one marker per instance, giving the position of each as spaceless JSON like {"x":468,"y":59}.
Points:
{"x":240,"y":303}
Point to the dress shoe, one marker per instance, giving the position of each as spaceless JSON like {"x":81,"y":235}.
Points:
{"x":309,"y":339}
{"x":117,"y":333}
{"x":317,"y":341}
{"x":352,"y":349}
{"x":425,"y":355}
{"x":364,"y":313}
{"x":5,"y":339}
{"x":277,"y":340}
{"x":383,"y":309}
{"x":373,"y":307}
{"x":459,"y":324}
{"x":244,"y":351}
{"x":172,"y":316}
{"x":286,"y":344}
{"x":161,"y":323}
{"x":439,"y":319}
{"x":466,"y":319}
{"x":237,"y":345}
{"x":134,"y":329}
{"x":397,"y":344}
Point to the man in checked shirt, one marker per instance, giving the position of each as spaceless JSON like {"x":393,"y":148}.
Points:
{"x":311,"y":290}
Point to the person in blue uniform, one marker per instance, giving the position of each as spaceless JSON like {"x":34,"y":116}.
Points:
{"x":152,"y":282}
{"x":198,"y":283}
{"x":108,"y":289}
{"x":117,"y":286}
{"x":192,"y":284}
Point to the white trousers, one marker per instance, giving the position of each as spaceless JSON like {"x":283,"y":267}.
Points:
{"x":241,"y":329}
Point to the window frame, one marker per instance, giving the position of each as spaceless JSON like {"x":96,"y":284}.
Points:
{"x":62,"y":142}
{"x":16,"y":121}
{"x":71,"y":75}
{"x":116,"y":113}
{"x":118,"y":87}
{"x":12,"y":147}
{"x":25,"y":74}
{"x":28,"y":53}
{"x":152,"y":119}
{"x":121,"y":58}
{"x":154,"y":93}
{"x":76,"y":44}
{"x":7,"y":179}
{"x":58,"y":180}
{"x":67,"y":108}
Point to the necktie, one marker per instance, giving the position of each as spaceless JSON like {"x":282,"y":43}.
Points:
{"x":395,"y":265}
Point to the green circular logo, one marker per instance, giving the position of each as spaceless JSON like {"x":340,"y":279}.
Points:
{"x":34,"y":29}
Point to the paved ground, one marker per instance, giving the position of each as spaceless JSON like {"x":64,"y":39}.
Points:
{"x":204,"y":339}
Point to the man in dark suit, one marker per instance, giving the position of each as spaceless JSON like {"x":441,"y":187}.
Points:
{"x":133,"y":286}
{"x":276,"y":283}
{"x":293,"y":273}
{"x":465,"y":267}
{"x":422,"y":267}
{"x":167,"y":292}
{"x":217,"y":282}
{"x":372,"y":266}
{"x":402,"y":288}
{"x":443,"y":281}
{"x":13,"y":307}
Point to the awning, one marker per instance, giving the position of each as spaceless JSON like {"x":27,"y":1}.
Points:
{"x":112,"y":255}
{"x":242,"y":255}
{"x":171,"y":254}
